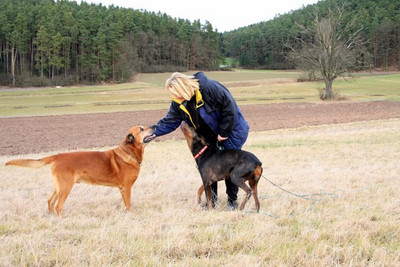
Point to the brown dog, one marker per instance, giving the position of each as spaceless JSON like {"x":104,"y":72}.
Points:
{"x":117,"y":167}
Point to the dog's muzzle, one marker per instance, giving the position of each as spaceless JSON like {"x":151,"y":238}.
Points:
{"x":149,"y":138}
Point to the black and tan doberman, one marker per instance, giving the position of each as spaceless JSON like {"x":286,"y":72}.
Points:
{"x":215,"y":165}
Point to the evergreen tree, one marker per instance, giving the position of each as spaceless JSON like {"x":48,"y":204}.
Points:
{"x":58,"y":40}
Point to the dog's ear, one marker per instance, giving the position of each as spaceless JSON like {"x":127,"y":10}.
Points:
{"x":202,"y":140}
{"x":130,"y":139}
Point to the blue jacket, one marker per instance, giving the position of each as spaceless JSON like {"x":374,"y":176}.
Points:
{"x":217,"y":108}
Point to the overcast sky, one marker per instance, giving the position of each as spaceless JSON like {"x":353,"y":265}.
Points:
{"x":224,"y":15}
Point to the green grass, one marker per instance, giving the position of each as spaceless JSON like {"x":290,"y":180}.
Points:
{"x":371,"y":88}
{"x":147,"y":92}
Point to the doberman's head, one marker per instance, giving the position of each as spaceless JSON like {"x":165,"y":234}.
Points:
{"x":194,"y":141}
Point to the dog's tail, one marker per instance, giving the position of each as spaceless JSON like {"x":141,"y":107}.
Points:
{"x":31,"y":163}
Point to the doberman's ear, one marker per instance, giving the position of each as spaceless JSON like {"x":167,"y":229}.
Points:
{"x":130,"y":139}
{"x":202,"y":140}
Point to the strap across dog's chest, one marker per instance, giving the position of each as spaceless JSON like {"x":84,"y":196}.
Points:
{"x":200,"y":152}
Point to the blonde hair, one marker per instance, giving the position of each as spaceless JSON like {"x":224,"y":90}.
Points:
{"x":181,"y":85}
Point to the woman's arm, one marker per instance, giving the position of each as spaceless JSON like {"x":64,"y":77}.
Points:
{"x":170,"y":122}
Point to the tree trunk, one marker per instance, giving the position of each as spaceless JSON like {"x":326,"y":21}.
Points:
{"x":65,"y":61}
{"x":113,"y":67}
{"x":21,"y":63}
{"x":13,"y":59}
{"x":32,"y":58}
{"x":7,"y":60}
{"x":328,"y":90}
{"x":78,"y":52}
{"x":41,"y":65}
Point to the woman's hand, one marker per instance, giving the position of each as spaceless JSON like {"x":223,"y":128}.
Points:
{"x":220,"y":138}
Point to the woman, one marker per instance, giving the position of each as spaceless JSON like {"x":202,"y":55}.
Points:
{"x":209,"y":107}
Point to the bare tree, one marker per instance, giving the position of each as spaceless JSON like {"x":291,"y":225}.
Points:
{"x":331,"y":48}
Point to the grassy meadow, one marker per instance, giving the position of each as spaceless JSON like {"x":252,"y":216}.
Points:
{"x":354,"y":221}
{"x":349,"y":173}
{"x":147,"y":92}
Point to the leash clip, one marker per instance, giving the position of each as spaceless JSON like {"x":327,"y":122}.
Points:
{"x":219,"y":147}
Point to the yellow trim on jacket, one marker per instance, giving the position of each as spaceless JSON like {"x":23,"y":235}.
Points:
{"x":199,"y":103}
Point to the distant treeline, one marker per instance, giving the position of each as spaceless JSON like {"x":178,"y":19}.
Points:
{"x":45,"y":42}
{"x":62,"y":42}
{"x":266,"y":44}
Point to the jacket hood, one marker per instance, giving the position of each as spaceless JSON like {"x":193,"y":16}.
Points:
{"x":201,"y":77}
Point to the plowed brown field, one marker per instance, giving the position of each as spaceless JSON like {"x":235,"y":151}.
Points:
{"x":23,"y":135}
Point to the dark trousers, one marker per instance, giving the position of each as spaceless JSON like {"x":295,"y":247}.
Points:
{"x":231,"y":191}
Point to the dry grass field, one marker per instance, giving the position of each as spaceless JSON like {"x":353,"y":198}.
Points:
{"x":353,"y":220}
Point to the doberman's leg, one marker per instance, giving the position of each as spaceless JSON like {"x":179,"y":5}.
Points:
{"x":253,"y":182}
{"x":199,"y":193}
{"x":239,"y":177}
{"x":209,"y":197}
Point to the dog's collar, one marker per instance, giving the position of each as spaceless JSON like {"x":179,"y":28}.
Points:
{"x":200,"y":152}
{"x":126,"y":157}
